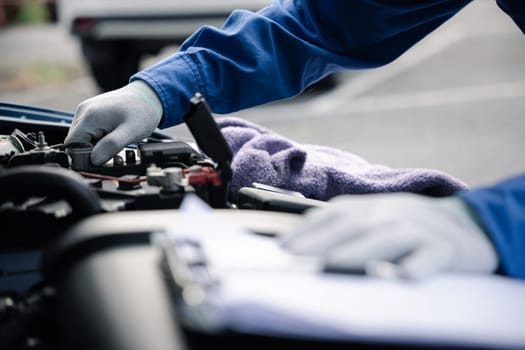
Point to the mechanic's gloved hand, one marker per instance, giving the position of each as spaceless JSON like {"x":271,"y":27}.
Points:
{"x":116,"y":119}
{"x":394,"y":235}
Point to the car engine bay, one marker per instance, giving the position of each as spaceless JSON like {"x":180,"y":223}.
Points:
{"x":116,"y":256}
{"x":48,"y":187}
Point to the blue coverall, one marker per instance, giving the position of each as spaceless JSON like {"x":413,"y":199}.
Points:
{"x":275,"y":53}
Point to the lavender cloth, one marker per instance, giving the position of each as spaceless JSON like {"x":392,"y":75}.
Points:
{"x":319,"y":172}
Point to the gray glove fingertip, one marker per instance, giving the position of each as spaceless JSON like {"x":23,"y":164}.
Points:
{"x":99,"y":156}
{"x":112,"y":143}
{"x":106,"y":148}
{"x":426,"y":261}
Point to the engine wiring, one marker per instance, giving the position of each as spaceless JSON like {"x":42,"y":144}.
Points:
{"x":113,"y":178}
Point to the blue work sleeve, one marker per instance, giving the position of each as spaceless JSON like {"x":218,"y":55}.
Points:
{"x":278,"y":51}
{"x":501,"y":210}
{"x":516,"y":10}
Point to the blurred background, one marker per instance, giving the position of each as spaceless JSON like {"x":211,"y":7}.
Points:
{"x":455,"y":102}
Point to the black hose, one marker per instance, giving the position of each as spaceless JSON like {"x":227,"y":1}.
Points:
{"x":33,"y":181}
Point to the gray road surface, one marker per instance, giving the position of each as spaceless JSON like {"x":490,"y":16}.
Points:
{"x":455,"y":102}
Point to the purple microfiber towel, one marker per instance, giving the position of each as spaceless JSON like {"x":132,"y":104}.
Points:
{"x":319,"y":172}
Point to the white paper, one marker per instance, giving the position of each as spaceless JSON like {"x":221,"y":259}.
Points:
{"x":264,"y":290}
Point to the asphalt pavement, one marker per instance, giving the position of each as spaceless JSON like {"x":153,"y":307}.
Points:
{"x":454,"y":102}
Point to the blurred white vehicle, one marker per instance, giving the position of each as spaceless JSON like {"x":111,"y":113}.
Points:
{"x":116,"y":34}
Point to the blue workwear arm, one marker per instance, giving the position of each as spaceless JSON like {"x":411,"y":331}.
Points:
{"x":501,"y":210}
{"x":277,"y":52}
{"x":516,"y":10}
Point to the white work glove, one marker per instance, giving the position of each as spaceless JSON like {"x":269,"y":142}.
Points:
{"x":394,"y":235}
{"x":116,"y":119}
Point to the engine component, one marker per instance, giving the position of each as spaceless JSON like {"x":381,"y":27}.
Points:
{"x":26,"y":181}
{"x":208,"y":136}
{"x":169,"y":153}
{"x":169,"y":179}
{"x":9,"y":146}
{"x":131,"y":157}
{"x":16,"y":143}
{"x":80,"y":153}
{"x":42,"y":154}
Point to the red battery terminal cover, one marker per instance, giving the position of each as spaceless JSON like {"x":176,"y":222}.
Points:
{"x":205,"y":176}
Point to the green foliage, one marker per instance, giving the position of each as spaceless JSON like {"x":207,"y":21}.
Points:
{"x":37,"y":74}
{"x":33,"y":11}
